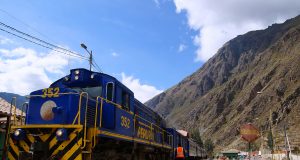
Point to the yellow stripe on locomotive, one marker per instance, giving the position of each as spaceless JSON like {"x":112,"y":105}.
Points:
{"x":56,"y":141}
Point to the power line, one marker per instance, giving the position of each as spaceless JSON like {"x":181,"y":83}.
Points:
{"x":45,"y":44}
{"x":32,"y":28}
{"x":96,"y":65}
{"x":37,"y":39}
{"x":82,"y":57}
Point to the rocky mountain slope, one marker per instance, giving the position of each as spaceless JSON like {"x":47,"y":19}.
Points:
{"x":251,"y":77}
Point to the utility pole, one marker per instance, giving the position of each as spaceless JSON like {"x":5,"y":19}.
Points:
{"x":91,"y":60}
{"x":287,"y":144}
{"x":271,"y":128}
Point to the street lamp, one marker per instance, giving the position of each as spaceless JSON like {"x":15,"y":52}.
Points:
{"x":90,"y":53}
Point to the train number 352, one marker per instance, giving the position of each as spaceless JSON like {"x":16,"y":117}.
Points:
{"x":125,"y":122}
{"x":50,"y":92}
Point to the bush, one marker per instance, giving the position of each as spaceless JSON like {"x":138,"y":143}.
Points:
{"x":197,"y":137}
{"x":209,"y":146}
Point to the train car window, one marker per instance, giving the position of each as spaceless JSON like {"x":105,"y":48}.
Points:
{"x":93,"y":92}
{"x":125,"y":101}
{"x":110,"y":91}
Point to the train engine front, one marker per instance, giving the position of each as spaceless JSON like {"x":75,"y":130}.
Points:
{"x":60,"y":120}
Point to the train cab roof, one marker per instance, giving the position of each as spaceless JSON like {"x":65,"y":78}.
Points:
{"x":81,"y":77}
{"x":183,"y":133}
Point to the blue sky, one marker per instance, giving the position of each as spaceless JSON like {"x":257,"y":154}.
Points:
{"x":145,"y":37}
{"x":139,"y":38}
{"x":150,"y":45}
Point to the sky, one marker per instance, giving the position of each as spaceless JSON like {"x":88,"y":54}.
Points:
{"x":149,"y":45}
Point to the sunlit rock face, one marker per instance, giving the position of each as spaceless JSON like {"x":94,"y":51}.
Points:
{"x":222,"y":94}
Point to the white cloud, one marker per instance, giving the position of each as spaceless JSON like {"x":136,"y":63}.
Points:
{"x":142,"y":92}
{"x":220,"y":21}
{"x":181,"y":47}
{"x":157,"y":3}
{"x":4,"y":40}
{"x":23,"y":70}
{"x":114,"y":54}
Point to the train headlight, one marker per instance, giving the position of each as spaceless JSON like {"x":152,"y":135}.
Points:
{"x":77,"y":72}
{"x":93,"y":75}
{"x":19,"y":134}
{"x":66,"y":78}
{"x":76,"y":77}
{"x":61,"y":134}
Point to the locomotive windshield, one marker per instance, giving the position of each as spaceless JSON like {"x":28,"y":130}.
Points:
{"x":92,"y":91}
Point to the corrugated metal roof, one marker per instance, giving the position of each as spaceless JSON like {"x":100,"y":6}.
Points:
{"x":183,"y":132}
{"x":5,"y":108}
{"x":232,"y":151}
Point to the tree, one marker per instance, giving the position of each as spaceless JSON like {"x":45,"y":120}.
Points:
{"x":270,"y":141}
{"x":197,"y":137}
{"x":209,"y":146}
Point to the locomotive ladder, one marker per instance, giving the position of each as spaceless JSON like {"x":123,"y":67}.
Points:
{"x":89,"y":133}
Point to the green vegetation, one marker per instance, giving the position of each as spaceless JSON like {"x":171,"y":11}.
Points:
{"x":255,"y":146}
{"x":209,"y":147}
{"x":270,"y":141}
{"x":197,"y":137}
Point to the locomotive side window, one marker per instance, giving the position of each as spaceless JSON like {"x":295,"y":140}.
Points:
{"x":110,"y":91}
{"x":93,"y":92}
{"x":125,"y":101}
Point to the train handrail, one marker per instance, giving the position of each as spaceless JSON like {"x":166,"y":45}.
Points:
{"x":161,"y":130}
{"x":120,"y":107}
{"x":134,"y":124}
{"x":100,"y":120}
{"x":22,"y":112}
{"x":153,"y":124}
{"x":78,"y":116}
{"x":14,"y":99}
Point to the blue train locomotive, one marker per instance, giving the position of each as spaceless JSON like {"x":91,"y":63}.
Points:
{"x":90,"y":115}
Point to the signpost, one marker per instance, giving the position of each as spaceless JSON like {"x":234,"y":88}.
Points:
{"x":249,"y":133}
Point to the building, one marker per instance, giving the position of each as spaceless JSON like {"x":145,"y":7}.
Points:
{"x":5,"y":112}
{"x":231,"y":154}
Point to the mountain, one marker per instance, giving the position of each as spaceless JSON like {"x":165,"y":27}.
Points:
{"x":254,"y":78}
{"x":8,"y":97}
